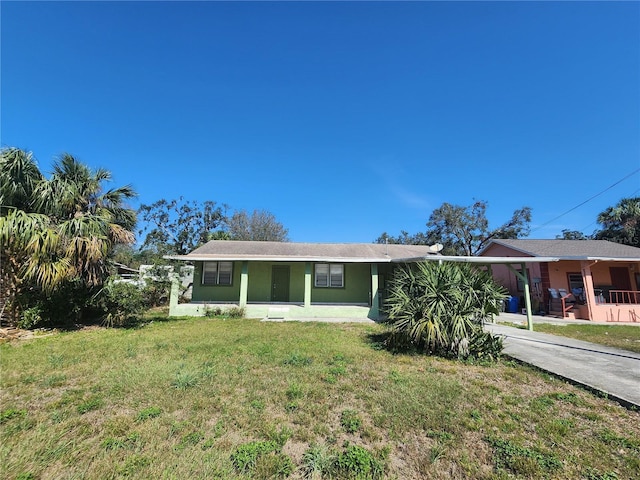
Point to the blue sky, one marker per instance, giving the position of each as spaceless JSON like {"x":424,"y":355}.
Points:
{"x":344,"y":119}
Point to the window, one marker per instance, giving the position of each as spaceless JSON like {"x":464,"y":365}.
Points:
{"x":217,"y":273}
{"x":329,"y":275}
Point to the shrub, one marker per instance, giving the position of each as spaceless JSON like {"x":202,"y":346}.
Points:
{"x":439,"y":308}
{"x":122,"y":303}
{"x":31,"y":318}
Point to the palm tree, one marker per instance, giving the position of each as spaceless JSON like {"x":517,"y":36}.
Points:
{"x":57,"y":230}
{"x":439,"y":308}
{"x":621,"y":223}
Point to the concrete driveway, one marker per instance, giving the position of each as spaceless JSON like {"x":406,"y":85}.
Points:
{"x":605,"y":369}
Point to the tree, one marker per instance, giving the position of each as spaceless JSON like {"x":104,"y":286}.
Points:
{"x":259,"y":226}
{"x":465,"y":230}
{"x":572,"y":235}
{"x":405,"y":239}
{"x":439,"y":308}
{"x":621,"y":223}
{"x":57,"y":230}
{"x":179,"y":226}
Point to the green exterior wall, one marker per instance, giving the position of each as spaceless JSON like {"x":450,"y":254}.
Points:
{"x":216,"y":293}
{"x":260,"y":281}
{"x":357,"y":284}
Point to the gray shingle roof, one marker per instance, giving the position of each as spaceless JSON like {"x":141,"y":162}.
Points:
{"x":290,"y":251}
{"x":571,"y":249}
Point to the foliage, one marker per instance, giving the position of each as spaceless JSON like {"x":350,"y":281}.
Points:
{"x":440,"y":307}
{"x":122,"y":303}
{"x":31,"y":318}
{"x":463,"y":230}
{"x":358,"y":462}
{"x":230,"y":312}
{"x":572,"y":235}
{"x":245,"y":456}
{"x":621,"y":223}
{"x":259,"y":226}
{"x":350,"y":421}
{"x":179,"y":226}
{"x":521,"y":460}
{"x":57,"y":230}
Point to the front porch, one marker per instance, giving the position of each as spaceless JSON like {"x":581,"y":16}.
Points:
{"x":281,"y":311}
{"x":591,"y":284}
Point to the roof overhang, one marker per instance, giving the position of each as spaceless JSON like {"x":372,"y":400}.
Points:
{"x":276,"y":258}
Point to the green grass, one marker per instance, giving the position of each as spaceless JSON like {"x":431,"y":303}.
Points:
{"x":209,"y":398}
{"x":626,"y":337}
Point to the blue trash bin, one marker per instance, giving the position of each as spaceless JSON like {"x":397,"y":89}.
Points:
{"x":514,"y":303}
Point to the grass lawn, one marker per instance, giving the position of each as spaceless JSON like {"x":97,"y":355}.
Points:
{"x":207,"y":398}
{"x":626,"y":337}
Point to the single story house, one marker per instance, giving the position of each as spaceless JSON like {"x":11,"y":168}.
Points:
{"x":593,"y":280}
{"x":295,"y":280}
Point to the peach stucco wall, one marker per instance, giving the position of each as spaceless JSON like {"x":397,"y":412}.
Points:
{"x":594,"y":274}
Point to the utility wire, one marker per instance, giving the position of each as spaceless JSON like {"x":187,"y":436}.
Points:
{"x":586,"y":201}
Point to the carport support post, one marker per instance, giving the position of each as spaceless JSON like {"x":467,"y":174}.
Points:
{"x":307,"y":284}
{"x":244,"y":284}
{"x":527,"y":296}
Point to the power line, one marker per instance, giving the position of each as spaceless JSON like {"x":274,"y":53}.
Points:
{"x":586,"y":201}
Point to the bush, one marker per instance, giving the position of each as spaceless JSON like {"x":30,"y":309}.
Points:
{"x":31,"y":318}
{"x":122,"y":303}
{"x":439,"y":308}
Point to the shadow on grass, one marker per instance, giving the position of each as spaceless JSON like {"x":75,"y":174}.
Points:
{"x":391,"y":342}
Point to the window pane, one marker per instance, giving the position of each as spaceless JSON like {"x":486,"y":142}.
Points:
{"x":337,"y":275}
{"x":322,"y":275}
{"x":225,"y":273}
{"x":209,"y":273}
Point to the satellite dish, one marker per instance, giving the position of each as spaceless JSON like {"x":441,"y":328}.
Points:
{"x":436,"y":248}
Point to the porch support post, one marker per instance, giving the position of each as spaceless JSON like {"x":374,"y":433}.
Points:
{"x":175,"y":294}
{"x":589,"y":291}
{"x":307,"y":284}
{"x":244,"y":284}
{"x":374,"y":311}
{"x":522,"y":275}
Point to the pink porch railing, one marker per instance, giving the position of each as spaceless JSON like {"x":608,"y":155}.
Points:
{"x":621,"y":296}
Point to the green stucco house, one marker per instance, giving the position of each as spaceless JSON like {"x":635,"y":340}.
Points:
{"x":293,"y":280}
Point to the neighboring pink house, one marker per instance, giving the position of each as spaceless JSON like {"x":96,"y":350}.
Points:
{"x":603,"y":277}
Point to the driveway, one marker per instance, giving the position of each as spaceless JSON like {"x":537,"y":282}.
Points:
{"x":605,"y":369}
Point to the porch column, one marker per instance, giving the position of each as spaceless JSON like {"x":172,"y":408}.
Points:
{"x":244,"y":283}
{"x":307,"y":284}
{"x":175,"y":294}
{"x":374,"y":311}
{"x":589,"y":292}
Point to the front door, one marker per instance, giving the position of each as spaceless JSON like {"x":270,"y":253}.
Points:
{"x":280,"y":283}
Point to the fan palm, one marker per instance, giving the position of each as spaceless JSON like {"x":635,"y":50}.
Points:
{"x":440,"y":307}
{"x":55,"y":230}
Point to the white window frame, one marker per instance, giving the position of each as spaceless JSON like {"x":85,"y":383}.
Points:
{"x":220,"y":273}
{"x":325,"y":275}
